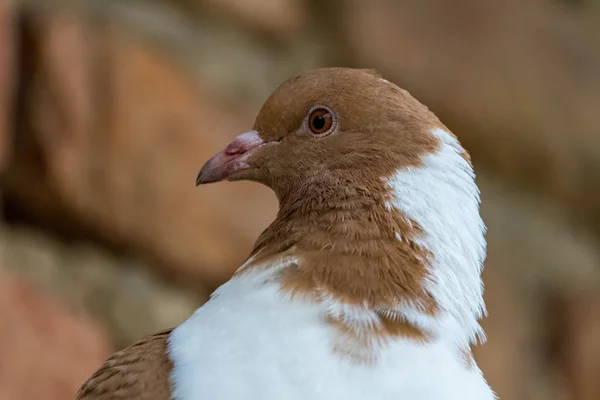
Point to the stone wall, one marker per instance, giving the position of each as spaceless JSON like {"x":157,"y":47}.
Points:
{"x":108,"y":109}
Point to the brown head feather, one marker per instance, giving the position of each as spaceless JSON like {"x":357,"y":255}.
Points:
{"x":332,"y":192}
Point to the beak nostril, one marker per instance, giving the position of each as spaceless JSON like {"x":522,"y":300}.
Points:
{"x":234,"y":152}
{"x":243,"y":143}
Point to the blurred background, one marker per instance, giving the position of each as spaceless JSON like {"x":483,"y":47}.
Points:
{"x":109,"y":108}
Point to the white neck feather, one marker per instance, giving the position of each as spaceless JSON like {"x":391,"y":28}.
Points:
{"x":442,"y":197}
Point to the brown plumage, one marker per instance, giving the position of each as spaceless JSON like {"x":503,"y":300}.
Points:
{"x":139,"y":372}
{"x":332,"y":201}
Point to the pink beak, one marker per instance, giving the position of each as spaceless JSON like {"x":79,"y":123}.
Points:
{"x":232,"y":159}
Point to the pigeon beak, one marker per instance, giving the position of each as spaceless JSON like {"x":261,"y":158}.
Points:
{"x":232,"y":159}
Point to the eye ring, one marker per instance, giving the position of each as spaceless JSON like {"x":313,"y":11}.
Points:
{"x":321,"y":120}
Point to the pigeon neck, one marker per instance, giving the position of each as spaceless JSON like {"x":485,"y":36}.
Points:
{"x":411,"y":244}
{"x":348,"y":243}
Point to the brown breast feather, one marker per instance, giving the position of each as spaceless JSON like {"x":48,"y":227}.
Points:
{"x":139,"y":372}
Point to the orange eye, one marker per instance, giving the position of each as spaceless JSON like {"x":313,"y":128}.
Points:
{"x":320,"y":121}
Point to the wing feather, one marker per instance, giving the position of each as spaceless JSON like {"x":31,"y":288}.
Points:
{"x":139,"y":372}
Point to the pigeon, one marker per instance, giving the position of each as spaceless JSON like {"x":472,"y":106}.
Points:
{"x":367,"y":284}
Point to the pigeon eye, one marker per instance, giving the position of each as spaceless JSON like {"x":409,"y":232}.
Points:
{"x":321,"y":121}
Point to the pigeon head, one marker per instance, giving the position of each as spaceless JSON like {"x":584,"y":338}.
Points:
{"x":331,"y":123}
